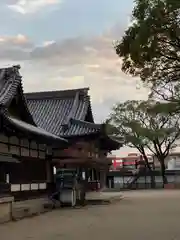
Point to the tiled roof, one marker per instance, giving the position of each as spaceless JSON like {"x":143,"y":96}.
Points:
{"x":10,"y":87}
{"x":10,"y":84}
{"x":63,"y":113}
{"x":78,"y":127}
{"x":29,"y":129}
{"x":68,"y":114}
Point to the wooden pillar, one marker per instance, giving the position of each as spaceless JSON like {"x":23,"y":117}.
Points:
{"x":2,"y":173}
{"x":48,"y":171}
{"x":49,"y":175}
{"x":92,"y":174}
{"x":103,"y":178}
{"x":97,"y":174}
{"x":49,"y":166}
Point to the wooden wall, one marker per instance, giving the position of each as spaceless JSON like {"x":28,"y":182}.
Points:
{"x":28,"y":171}
{"x":84,"y":150}
{"x":21,"y":147}
{"x":28,"y":177}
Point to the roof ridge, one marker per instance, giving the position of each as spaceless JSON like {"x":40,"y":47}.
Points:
{"x":72,"y":112}
{"x":10,"y":79}
{"x":90,"y":108}
{"x":10,"y":86}
{"x":55,"y":94}
{"x":26,"y":106}
{"x":85,"y":123}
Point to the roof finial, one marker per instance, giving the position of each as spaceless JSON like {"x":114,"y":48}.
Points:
{"x":17,"y":66}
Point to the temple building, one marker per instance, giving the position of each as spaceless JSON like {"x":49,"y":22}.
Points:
{"x":68,"y":114}
{"x":45,"y":129}
{"x":25,"y":148}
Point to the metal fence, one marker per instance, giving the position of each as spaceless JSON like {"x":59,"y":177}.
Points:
{"x":121,"y":180}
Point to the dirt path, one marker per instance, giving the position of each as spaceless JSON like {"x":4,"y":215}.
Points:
{"x":140,"y":215}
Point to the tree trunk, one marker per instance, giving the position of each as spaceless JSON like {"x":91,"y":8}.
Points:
{"x":153,"y":183}
{"x":163,"y":171}
{"x":150,"y":171}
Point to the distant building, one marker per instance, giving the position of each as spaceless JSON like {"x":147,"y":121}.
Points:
{"x":172,"y":162}
{"x":128,"y":162}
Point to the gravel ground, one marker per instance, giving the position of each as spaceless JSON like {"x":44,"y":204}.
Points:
{"x":140,"y":215}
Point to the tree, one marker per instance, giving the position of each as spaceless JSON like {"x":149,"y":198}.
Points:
{"x":122,"y":124}
{"x":150,"y":47}
{"x":147,"y":125}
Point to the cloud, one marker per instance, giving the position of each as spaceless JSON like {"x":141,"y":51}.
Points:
{"x":19,"y":39}
{"x":74,"y":63}
{"x":47,"y":43}
{"x":15,"y":47}
{"x":31,"y":6}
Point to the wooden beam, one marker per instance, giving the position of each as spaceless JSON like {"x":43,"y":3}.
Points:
{"x":85,"y":161}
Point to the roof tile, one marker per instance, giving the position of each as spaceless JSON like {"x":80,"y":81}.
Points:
{"x":62,"y":112}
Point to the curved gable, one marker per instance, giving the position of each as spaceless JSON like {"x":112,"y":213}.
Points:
{"x":11,"y":94}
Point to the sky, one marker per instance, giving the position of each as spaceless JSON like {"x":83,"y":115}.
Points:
{"x":63,"y":44}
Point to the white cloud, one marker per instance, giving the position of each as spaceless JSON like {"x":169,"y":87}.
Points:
{"x":47,"y":43}
{"x":19,"y":39}
{"x":31,"y":6}
{"x":73,"y":63}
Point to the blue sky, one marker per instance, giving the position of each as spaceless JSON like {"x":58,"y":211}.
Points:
{"x":68,"y":44}
{"x":66,"y":19}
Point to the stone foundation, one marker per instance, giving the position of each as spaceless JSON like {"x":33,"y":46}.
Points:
{"x":30,"y":208}
{"x":172,"y":186}
{"x":177,"y":185}
{"x":6,"y":209}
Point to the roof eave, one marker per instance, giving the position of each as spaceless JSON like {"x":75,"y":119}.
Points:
{"x":31,"y":131}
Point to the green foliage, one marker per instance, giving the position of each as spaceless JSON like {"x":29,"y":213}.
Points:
{"x":146,"y":125}
{"x":150,"y":48}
